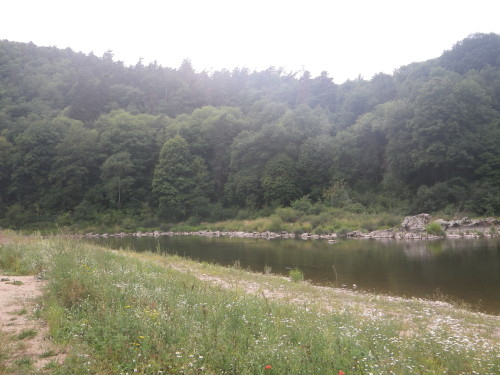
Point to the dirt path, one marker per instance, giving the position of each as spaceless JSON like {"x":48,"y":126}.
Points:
{"x":24,"y":338}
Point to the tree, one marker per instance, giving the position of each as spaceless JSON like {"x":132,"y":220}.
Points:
{"x":179,"y":180}
{"x":279,"y":181}
{"x":314,"y":163}
{"x":116,"y":174}
{"x":121,"y":131}
{"x":6,"y":149}
{"x":75,"y":167}
{"x":32,"y":161}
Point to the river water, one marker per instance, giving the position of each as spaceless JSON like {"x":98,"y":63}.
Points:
{"x":460,"y":270}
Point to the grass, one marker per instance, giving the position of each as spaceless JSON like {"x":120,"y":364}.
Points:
{"x":296,"y":275}
{"x":26,"y":334}
{"x":121,"y":312}
{"x":435,"y":229}
{"x":322,"y":221}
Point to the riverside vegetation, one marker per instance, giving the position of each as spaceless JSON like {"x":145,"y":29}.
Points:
{"x":88,"y":142}
{"x":120,"y":312}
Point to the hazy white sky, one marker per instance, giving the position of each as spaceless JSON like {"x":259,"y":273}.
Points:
{"x":345,"y":38}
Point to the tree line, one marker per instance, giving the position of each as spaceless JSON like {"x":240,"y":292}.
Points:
{"x":85,"y":138}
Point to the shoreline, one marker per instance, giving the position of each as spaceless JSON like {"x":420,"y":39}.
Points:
{"x":392,"y":234}
{"x":412,"y":228}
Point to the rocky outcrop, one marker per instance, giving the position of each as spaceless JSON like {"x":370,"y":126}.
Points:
{"x":444,"y":224}
{"x":416,"y":223}
{"x":386,"y":233}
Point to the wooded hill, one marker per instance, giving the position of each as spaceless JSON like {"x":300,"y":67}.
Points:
{"x":84,"y":137}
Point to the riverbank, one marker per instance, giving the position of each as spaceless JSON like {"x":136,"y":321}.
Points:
{"x":117,"y":312}
{"x":417,"y":227}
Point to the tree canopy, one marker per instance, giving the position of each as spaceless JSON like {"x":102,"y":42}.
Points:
{"x":82,"y":135}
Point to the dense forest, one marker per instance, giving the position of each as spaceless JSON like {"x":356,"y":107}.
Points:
{"x":85,"y":138}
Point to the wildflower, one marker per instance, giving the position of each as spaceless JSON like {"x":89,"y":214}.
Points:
{"x":341,"y":372}
{"x":268,"y":367}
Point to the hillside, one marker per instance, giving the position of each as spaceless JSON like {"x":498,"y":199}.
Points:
{"x":85,"y":139}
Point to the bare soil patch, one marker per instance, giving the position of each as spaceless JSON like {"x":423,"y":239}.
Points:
{"x":25,"y":336}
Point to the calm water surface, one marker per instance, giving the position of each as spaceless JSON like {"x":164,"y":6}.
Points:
{"x":463,"y":269}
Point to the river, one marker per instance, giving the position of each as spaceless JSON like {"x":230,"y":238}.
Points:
{"x":460,"y":270}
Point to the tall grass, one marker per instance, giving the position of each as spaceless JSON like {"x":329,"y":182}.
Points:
{"x":124,"y":313}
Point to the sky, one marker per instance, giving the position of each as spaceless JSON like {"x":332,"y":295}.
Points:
{"x":348,"y":38}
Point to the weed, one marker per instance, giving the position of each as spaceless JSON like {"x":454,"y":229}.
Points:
{"x":53,"y":364}
{"x":435,"y":229}
{"x":23,"y":362}
{"x":296,"y":275}
{"x":47,"y":354}
{"x":27,"y":334}
{"x":267,"y":269}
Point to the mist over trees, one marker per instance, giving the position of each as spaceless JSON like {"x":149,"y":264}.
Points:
{"x":85,"y":138}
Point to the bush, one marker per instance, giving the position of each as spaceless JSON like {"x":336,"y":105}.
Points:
{"x":288,"y":214}
{"x":296,"y":275}
{"x":17,"y":216}
{"x":303,"y":205}
{"x":276,"y":224}
{"x":435,"y":229}
{"x":440,"y":195}
{"x":319,"y":231}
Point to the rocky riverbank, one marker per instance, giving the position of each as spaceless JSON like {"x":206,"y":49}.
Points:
{"x":412,"y":228}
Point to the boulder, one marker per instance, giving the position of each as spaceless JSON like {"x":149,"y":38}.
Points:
{"x":444,"y":224}
{"x":355,"y":234}
{"x":385,"y":233}
{"x":416,"y":223}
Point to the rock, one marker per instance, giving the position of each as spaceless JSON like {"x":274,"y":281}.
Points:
{"x":463,"y":222}
{"x":445,"y":224}
{"x":355,"y":234}
{"x":386,"y":233}
{"x":484,"y":223}
{"x":416,"y":223}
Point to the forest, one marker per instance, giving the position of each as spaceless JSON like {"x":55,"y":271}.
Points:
{"x":86,"y":139}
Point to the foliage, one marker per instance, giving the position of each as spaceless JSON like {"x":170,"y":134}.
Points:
{"x":296,"y":275}
{"x":180,"y":181}
{"x":435,"y":229}
{"x":81,"y":136}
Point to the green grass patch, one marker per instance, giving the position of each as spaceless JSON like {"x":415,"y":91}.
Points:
{"x":296,"y":275}
{"x":124,"y":312}
{"x":27,"y":334}
{"x":435,"y":229}
{"x":22,"y":311}
{"x":47,"y":354}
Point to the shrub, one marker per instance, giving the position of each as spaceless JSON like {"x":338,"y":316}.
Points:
{"x":276,"y":224}
{"x":288,"y":214}
{"x":296,"y":275}
{"x":303,"y":205}
{"x":435,"y":229}
{"x":319,"y":230}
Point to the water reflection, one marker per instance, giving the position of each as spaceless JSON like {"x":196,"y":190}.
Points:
{"x":465,"y":269}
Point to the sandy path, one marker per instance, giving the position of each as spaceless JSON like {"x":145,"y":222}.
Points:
{"x":17,"y":303}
